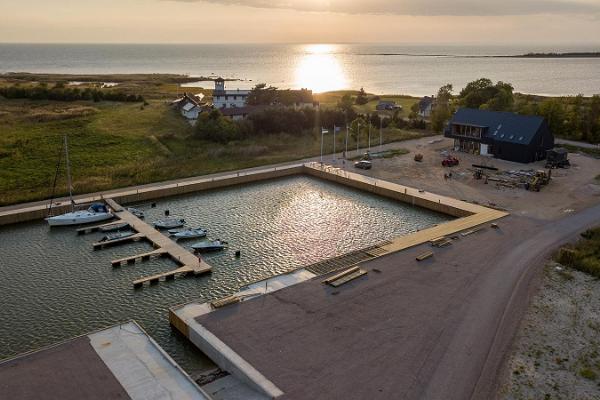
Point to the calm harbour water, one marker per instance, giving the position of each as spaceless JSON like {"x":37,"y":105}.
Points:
{"x":323,"y":67}
{"x":53,"y":286}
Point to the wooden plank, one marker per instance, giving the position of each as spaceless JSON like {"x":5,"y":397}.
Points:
{"x":348,"y":277}
{"x":225,"y":301}
{"x":341,"y":274}
{"x":425,"y":256}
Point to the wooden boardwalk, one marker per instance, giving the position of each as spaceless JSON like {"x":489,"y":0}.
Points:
{"x":188,"y":262}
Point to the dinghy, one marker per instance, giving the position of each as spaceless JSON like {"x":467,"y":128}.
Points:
{"x":189,"y":233}
{"x":117,"y":235}
{"x":169,"y":223}
{"x":96,"y":213}
{"x":208,"y":246}
{"x":114,"y":227}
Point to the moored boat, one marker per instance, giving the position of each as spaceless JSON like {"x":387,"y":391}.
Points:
{"x":117,"y":235}
{"x":209,"y":246}
{"x":169,"y":223}
{"x":95,"y":213}
{"x":117,"y":226}
{"x":189,"y":233}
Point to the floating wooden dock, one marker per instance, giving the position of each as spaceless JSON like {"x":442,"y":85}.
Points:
{"x":142,"y":257}
{"x":188,"y":262}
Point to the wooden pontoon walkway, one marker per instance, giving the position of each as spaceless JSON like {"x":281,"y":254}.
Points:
{"x":188,"y":262}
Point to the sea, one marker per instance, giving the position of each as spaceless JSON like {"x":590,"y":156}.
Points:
{"x":378,"y":68}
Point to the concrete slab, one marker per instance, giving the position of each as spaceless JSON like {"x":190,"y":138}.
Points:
{"x":121,"y":362}
{"x":230,"y":388}
{"x":406,"y":330}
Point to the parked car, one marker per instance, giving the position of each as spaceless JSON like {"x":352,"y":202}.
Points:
{"x":364,"y":164}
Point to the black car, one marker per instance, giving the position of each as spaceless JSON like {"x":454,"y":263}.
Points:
{"x":364,"y":164}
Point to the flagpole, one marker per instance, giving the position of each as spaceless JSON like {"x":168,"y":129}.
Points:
{"x":380,"y":134}
{"x":369,"y":147}
{"x":334,"y":157}
{"x":322,"y":133}
{"x":357,"y":137}
{"x":346,"y":152}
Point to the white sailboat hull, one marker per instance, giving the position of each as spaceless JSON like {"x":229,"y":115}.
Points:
{"x":78,"y":217}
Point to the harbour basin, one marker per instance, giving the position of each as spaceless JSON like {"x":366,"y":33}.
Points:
{"x":53,"y":286}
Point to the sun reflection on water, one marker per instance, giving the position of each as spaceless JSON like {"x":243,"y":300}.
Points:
{"x":319,"y":69}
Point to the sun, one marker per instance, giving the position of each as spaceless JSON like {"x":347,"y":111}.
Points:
{"x":319,"y":69}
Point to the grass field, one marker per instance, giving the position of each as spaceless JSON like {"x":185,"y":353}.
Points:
{"x":330,"y":99}
{"x":122,"y":144}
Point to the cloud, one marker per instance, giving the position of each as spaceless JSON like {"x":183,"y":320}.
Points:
{"x":424,"y":7}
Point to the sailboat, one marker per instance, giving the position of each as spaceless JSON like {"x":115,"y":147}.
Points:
{"x":95,"y":213}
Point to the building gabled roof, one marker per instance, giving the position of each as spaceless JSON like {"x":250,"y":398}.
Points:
{"x":502,"y":126}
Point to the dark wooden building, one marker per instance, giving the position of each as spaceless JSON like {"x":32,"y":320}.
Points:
{"x":504,"y":135}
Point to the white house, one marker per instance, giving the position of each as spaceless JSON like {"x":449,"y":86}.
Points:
{"x":426,"y":106}
{"x":189,"y":106}
{"x":228,"y":98}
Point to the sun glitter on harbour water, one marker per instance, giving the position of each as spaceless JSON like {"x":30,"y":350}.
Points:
{"x":319,"y":69}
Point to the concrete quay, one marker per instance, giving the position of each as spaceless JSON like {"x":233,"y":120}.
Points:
{"x":120,"y":362}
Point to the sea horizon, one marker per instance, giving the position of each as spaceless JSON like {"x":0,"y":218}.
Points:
{"x":381,"y":68}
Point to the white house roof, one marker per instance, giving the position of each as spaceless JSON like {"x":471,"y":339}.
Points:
{"x":189,"y":106}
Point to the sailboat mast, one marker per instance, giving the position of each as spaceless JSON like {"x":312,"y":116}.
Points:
{"x":69,"y":174}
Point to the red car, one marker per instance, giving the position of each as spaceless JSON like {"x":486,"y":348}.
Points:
{"x":450,"y":162}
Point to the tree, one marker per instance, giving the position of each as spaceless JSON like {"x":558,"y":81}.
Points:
{"x":346,"y":104}
{"x":262,"y":95}
{"x":441,"y":112}
{"x":554,"y":112}
{"x":362,"y":98}
{"x":214,"y":127}
{"x":483,"y":94}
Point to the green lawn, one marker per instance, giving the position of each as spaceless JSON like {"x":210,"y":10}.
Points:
{"x":330,"y":99}
{"x":122,"y":144}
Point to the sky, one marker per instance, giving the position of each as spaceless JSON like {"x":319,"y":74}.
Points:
{"x":301,"y":21}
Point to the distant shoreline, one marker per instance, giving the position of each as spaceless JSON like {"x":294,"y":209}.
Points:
{"x":528,"y":55}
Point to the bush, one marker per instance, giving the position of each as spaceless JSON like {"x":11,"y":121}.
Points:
{"x":585,"y":255}
{"x":216,"y":128}
{"x":60,"y":93}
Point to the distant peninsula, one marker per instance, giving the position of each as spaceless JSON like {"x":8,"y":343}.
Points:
{"x":558,"y":55}
{"x":528,"y":55}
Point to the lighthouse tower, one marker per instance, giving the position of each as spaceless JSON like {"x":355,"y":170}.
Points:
{"x":220,"y":85}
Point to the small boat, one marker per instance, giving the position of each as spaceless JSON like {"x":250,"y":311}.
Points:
{"x":169,"y":223}
{"x":138,"y":213}
{"x":208,"y":246}
{"x":189,"y":233}
{"x":96,"y":213}
{"x":117,"y":235}
{"x":114,"y":227}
